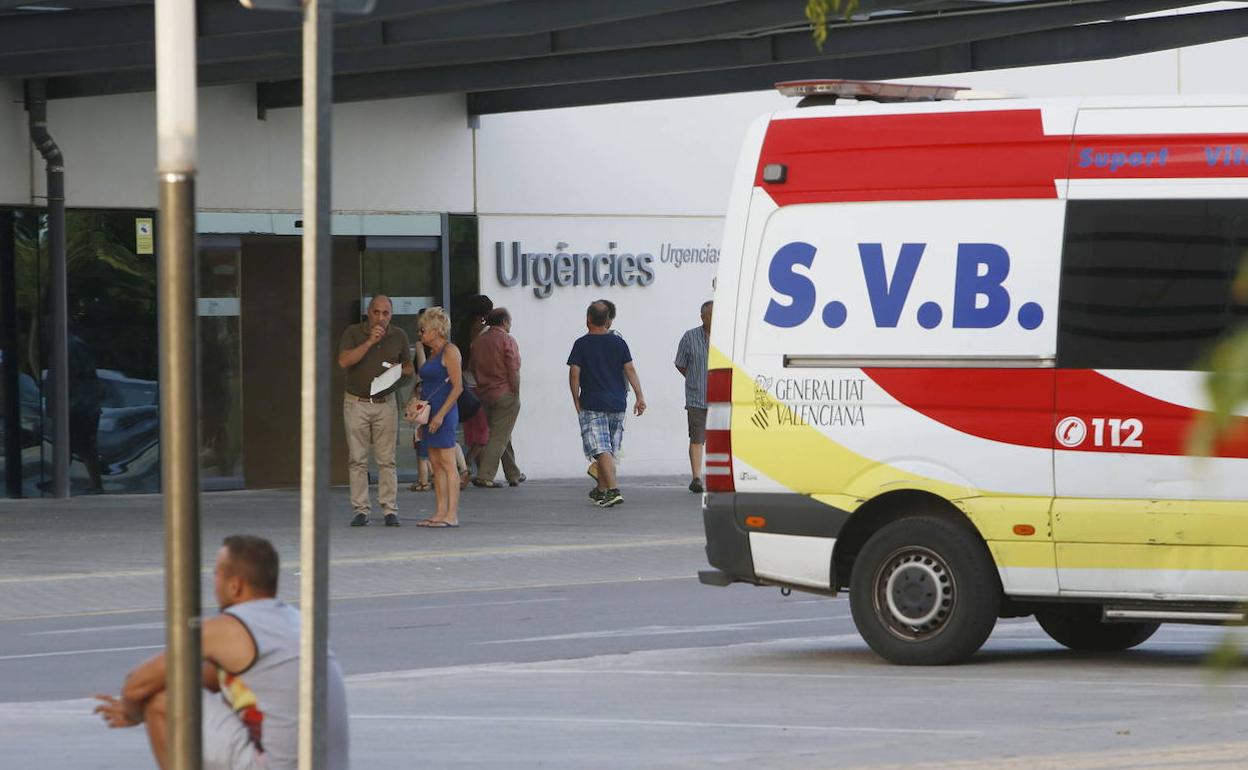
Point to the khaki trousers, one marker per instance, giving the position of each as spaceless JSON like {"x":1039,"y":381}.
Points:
{"x":375,"y":426}
{"x":502,"y":416}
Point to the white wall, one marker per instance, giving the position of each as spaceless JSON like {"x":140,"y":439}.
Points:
{"x":15,"y":146}
{"x":404,"y":155}
{"x":651,"y":319}
{"x":668,"y":158}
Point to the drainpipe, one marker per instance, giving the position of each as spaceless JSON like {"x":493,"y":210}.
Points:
{"x":58,"y":366}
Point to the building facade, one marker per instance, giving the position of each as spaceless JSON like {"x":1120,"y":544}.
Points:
{"x":542,"y":211}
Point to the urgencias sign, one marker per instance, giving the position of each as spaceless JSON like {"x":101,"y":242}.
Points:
{"x":546,"y":270}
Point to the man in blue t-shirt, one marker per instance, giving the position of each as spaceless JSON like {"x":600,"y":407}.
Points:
{"x":598,"y":367}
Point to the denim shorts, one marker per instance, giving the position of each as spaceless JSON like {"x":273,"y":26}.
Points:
{"x":601,"y":432}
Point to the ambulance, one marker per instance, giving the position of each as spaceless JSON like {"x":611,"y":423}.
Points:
{"x":959,"y":346}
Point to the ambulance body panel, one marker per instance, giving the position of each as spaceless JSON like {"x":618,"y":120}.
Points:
{"x":988,"y":315}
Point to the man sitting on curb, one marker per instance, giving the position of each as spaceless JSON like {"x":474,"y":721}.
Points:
{"x":250,"y":673}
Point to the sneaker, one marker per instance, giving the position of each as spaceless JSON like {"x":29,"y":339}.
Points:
{"x":595,"y":494}
{"x":360,"y":520}
{"x":610,"y":499}
{"x":696,"y":486}
{"x":392,"y":520}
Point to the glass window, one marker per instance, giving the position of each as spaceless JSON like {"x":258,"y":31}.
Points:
{"x":220,"y":354}
{"x":1147,"y":284}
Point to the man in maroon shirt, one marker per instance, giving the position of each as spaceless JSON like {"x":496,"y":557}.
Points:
{"x":495,"y":363}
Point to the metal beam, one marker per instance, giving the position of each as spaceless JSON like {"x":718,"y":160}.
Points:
{"x":719,"y":55}
{"x":130,"y":24}
{"x":1085,"y":43}
{"x":407,"y":40}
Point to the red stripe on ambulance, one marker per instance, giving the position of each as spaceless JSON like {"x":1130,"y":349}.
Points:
{"x":1094,"y":413}
{"x":987,"y":155}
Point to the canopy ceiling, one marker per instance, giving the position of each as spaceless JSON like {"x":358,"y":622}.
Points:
{"x":509,"y":55}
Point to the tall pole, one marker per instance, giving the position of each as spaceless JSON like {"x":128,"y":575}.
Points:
{"x":314,"y":428}
{"x":179,"y":439}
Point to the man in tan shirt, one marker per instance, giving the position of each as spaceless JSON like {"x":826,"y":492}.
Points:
{"x":495,"y":363}
{"x":372,"y":420}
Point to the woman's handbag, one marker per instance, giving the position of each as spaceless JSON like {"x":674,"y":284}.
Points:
{"x":416,"y":412}
{"x":469,"y":404}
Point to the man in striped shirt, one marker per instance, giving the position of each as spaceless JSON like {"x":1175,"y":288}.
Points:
{"x":691,"y":361}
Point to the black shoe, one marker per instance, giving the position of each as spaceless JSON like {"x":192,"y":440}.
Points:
{"x":696,"y":486}
{"x":360,"y":520}
{"x":392,"y":520}
{"x":595,"y":494}
{"x":518,"y":480}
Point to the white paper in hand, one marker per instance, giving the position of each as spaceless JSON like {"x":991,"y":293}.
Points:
{"x":385,"y":379}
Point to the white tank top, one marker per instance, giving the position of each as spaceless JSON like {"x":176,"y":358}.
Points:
{"x":266,"y":695}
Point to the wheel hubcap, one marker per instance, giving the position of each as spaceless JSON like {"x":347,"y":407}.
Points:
{"x":915,"y":593}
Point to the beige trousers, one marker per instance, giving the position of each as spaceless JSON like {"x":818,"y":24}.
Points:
{"x":375,"y":426}
{"x":502,"y":416}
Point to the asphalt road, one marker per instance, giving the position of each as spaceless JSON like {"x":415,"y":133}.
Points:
{"x":548,"y":634}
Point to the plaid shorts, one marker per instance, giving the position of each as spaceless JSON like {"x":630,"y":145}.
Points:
{"x":601,"y":432}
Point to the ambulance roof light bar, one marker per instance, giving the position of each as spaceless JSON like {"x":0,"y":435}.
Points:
{"x":828,"y":91}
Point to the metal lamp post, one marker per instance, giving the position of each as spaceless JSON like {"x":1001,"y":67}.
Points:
{"x":179,"y":435}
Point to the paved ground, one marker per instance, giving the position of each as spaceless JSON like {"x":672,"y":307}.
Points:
{"x":545,"y":633}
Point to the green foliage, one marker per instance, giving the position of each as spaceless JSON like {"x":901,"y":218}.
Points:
{"x":818,"y":11}
{"x":1227,"y":381}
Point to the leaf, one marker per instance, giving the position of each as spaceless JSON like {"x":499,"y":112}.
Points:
{"x":817,"y":12}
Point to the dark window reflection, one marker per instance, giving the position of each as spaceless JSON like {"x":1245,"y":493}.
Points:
{"x":220,"y":394}
{"x":1147,"y":284}
{"x":113,"y":402}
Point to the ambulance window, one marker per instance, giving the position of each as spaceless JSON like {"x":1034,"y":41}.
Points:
{"x":1146,"y":284}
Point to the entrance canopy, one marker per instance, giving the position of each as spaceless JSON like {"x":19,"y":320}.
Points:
{"x":509,"y":55}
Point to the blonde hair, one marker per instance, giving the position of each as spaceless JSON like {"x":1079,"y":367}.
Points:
{"x":435,"y":318}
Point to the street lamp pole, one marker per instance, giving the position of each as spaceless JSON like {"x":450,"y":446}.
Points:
{"x":179,"y":435}
{"x":318,"y":65}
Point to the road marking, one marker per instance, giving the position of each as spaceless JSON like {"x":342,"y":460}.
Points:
{"x":394,"y":594}
{"x":427,"y":607}
{"x":660,"y":723}
{"x":385,"y":558}
{"x":81,"y":652}
{"x":663,"y":630}
{"x":913,"y":679}
{"x":1203,"y":756}
{"x":95,"y":629}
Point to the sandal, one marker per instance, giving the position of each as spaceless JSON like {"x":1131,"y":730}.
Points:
{"x":486,"y":484}
{"x":420,"y":486}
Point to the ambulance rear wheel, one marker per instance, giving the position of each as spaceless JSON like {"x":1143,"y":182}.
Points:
{"x":1079,"y":627}
{"x":924,"y":591}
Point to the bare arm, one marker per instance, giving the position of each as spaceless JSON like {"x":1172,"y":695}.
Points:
{"x":144,"y":681}
{"x":574,"y":382}
{"x":631,"y":373}
{"x":351,"y":357}
{"x":455,"y":373}
{"x":227,"y":643}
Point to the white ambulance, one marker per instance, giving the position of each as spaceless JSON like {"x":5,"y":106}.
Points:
{"x":958,"y":348}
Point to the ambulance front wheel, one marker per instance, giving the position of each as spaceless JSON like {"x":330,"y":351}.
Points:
{"x":1079,"y":627}
{"x":924,"y":591}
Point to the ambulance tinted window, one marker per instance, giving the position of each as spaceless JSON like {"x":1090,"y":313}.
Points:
{"x":1146,"y":284}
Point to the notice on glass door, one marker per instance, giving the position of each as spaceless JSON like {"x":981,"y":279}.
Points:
{"x":143,"y":236}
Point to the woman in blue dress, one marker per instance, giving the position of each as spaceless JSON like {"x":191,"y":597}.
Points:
{"x":441,"y":379}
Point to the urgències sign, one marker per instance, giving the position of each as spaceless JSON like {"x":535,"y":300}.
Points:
{"x":547,"y":270}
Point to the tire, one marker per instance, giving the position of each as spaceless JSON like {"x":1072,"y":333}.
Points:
{"x":924,"y":591}
{"x":1079,"y":627}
